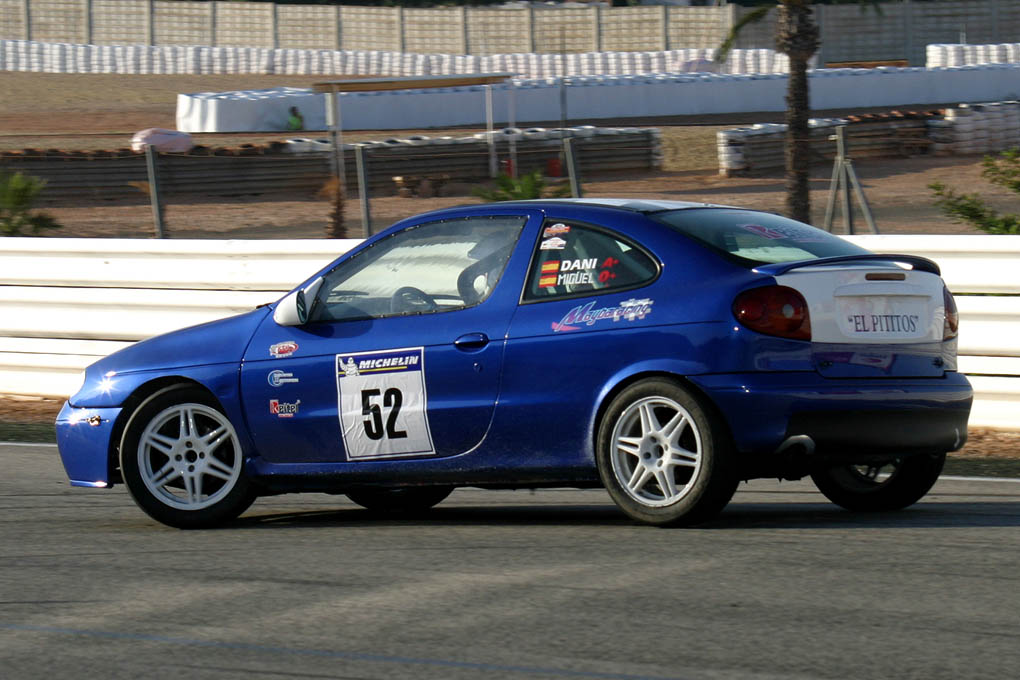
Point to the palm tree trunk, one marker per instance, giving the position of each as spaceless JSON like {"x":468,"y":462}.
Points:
{"x":798,"y":143}
{"x":797,"y":37}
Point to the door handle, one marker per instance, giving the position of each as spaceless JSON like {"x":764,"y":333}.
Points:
{"x":470,"y":341}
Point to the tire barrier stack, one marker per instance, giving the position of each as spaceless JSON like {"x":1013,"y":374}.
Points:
{"x":304,"y":165}
{"x":26,"y":55}
{"x":760,"y":148}
{"x":976,"y":128}
{"x":944,"y":55}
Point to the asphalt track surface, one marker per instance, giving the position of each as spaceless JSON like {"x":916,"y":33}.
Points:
{"x":551,"y":584}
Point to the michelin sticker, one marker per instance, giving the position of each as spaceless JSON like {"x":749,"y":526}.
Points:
{"x":382,"y":404}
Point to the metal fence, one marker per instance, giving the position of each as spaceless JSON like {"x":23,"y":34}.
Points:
{"x":257,"y":169}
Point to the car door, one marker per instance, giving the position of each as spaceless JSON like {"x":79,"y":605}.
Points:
{"x":587,"y":311}
{"x":402,"y":352}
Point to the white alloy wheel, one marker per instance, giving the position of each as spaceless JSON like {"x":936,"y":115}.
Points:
{"x":182,"y":461}
{"x":656,"y":451}
{"x":189,"y":457}
{"x":663,"y":456}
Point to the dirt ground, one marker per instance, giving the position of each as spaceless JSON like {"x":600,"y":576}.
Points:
{"x":82,"y":112}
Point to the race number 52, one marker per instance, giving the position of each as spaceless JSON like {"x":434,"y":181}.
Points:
{"x":382,"y":404}
{"x":370,"y":407}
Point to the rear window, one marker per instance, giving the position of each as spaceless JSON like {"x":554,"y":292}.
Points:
{"x":754,"y":238}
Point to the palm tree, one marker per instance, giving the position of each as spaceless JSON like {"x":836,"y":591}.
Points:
{"x":797,"y":37}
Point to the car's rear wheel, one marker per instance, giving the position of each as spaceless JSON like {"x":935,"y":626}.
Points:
{"x":182,"y":461}
{"x":662,"y":456}
{"x":879,"y":487}
{"x":400,"y":500}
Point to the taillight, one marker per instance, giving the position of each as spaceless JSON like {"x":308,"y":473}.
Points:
{"x":952,"y":324}
{"x":774,"y":310}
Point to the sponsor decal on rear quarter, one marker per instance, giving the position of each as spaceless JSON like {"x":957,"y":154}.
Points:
{"x":587,"y":315}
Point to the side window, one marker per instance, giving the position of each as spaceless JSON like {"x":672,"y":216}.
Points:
{"x":432,"y":267}
{"x":575,"y":259}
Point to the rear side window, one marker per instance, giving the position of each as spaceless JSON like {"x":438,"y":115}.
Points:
{"x":574,"y":260}
{"x":755,"y":238}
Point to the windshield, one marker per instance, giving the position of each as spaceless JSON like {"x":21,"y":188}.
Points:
{"x":754,"y":238}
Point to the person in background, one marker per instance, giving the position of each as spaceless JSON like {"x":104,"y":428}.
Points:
{"x":295,"y":121}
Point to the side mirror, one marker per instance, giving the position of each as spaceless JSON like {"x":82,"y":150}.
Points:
{"x":293,"y":309}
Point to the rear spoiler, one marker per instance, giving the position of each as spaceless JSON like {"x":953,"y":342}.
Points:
{"x":915,"y":261}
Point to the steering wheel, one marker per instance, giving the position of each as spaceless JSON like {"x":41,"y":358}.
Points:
{"x":411,"y":299}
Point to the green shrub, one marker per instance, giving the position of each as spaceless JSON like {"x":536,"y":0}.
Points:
{"x":1003,"y":170}
{"x":17,"y":194}
{"x":523,"y":188}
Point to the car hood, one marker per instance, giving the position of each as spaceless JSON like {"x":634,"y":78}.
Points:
{"x":215,"y":342}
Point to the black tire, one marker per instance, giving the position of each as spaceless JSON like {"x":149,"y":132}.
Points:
{"x":400,"y":500}
{"x":680,"y":472}
{"x":858,"y":487}
{"x":182,"y":460}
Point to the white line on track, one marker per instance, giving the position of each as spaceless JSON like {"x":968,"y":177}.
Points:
{"x":52,"y":446}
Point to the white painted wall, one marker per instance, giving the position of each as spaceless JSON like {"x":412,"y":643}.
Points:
{"x":64,"y":303}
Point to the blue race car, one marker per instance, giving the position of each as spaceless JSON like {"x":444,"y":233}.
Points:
{"x":663,"y":350}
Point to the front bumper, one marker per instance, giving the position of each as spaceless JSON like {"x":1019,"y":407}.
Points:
{"x":83,"y":439}
{"x":844,"y":417}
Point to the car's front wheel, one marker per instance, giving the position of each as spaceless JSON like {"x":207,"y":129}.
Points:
{"x":662,"y":456}
{"x":879,"y":487}
{"x":182,"y":462}
{"x":400,"y":500}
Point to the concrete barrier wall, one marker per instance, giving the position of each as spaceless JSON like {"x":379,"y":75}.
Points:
{"x":592,"y":98}
{"x":64,"y":303}
{"x":900,"y":31}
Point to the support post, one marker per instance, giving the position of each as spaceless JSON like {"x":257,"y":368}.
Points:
{"x":512,"y":123}
{"x":843,"y":178}
{"x":665,"y":28}
{"x":491,"y":138}
{"x":87,"y":9}
{"x":276,"y":26}
{"x":154,"y":198}
{"x":339,"y":26}
{"x":150,"y":24}
{"x":573,"y":170}
{"x":363,"y":194}
{"x":26,"y":17}
{"x":336,"y":137}
{"x":597,"y":28}
{"x":212,"y":23}
{"x":465,"y":39}
{"x":531,"y":28}
{"x":401,"y":39}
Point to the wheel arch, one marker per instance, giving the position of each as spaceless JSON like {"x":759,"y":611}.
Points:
{"x":139,"y":396}
{"x":611,"y":392}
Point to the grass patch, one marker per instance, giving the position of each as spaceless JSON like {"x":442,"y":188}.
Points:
{"x":982,"y":467}
{"x":27,"y":432}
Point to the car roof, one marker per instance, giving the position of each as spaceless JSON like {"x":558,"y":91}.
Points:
{"x":634,"y":204}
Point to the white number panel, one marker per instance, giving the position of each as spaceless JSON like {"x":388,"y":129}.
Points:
{"x":382,"y":403}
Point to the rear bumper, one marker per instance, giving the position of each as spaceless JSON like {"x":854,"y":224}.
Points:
{"x":846,"y":417}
